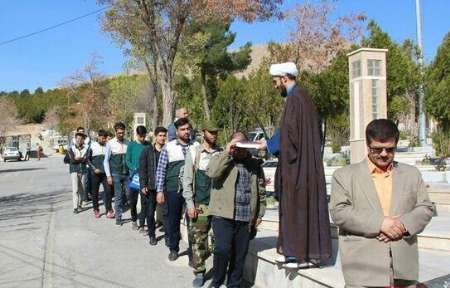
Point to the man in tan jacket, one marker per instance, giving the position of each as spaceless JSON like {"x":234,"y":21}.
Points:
{"x":237,"y":206}
{"x":380,"y":206}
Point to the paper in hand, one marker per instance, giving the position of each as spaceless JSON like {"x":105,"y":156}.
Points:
{"x":248,"y":145}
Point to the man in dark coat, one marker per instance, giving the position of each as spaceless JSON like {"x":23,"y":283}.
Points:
{"x":304,"y":234}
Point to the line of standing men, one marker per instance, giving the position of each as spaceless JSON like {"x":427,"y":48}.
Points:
{"x":222,"y":190}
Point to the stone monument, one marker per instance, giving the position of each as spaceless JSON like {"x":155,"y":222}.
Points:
{"x":138,"y":120}
{"x":367,"y":76}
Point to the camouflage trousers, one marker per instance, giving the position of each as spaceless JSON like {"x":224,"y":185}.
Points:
{"x":198,"y":231}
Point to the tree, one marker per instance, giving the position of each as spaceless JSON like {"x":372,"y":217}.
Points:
{"x":158,"y":27}
{"x":264,"y":102}
{"x":318,"y":45}
{"x":437,"y":97}
{"x":140,"y":59}
{"x":403,"y":75}
{"x":88,"y":88}
{"x":25,"y":93}
{"x":318,"y":36}
{"x":52,"y":118}
{"x":329,"y":91}
{"x":230,"y":107}
{"x":211,"y":55}
{"x":39,"y":91}
{"x":189,"y":96}
{"x":122,"y":101}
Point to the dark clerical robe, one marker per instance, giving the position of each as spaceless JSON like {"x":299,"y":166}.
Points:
{"x":304,"y":222}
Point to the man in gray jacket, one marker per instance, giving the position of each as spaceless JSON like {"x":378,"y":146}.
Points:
{"x":380,"y":206}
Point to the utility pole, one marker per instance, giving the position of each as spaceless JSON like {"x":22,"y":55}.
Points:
{"x":422,"y":119}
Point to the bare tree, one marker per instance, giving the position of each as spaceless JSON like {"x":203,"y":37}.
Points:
{"x":86,"y":88}
{"x":317,"y":37}
{"x":158,"y":26}
{"x":52,"y":118}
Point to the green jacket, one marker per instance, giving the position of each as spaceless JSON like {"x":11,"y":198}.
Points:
{"x":224,"y":174}
{"x":133,"y":155}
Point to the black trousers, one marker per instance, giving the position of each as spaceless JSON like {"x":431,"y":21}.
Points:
{"x":148,"y":209}
{"x":132,"y":202}
{"x":230,"y":249}
{"x":163,"y":218}
{"x":88,"y":184}
{"x":96,"y":180}
{"x":175,"y":203}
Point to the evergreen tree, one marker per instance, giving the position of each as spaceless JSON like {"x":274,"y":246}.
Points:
{"x":437,"y":97}
{"x":403,"y":76}
{"x":213,"y":60}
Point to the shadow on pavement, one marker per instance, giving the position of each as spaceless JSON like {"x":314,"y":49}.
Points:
{"x":37,"y":263}
{"x":25,"y":205}
{"x":20,"y":170}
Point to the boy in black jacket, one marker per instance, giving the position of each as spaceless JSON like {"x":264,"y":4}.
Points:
{"x":98,"y":176}
{"x":147,"y":174}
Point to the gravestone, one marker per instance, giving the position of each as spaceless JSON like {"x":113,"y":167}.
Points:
{"x":367,"y":68}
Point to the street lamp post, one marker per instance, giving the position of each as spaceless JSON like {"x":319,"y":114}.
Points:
{"x":422,"y":119}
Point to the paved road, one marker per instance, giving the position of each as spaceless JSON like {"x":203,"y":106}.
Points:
{"x":42,"y":244}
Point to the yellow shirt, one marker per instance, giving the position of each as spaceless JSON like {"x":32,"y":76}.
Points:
{"x":383,"y":185}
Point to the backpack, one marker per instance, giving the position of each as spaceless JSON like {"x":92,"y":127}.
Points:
{"x":66,"y":159}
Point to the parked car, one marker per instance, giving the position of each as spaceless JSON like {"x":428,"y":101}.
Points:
{"x":61,"y":142}
{"x":255,"y":135}
{"x":11,"y":153}
{"x":269,"y":167}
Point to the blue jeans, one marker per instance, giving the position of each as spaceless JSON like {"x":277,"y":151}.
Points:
{"x":120,"y":187}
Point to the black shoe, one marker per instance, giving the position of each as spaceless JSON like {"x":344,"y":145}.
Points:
{"x":75,"y":211}
{"x":153,"y":241}
{"x":173,"y":255}
{"x":199,"y":280}
{"x":119,"y":222}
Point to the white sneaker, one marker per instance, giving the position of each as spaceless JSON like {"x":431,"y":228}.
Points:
{"x":294,"y":265}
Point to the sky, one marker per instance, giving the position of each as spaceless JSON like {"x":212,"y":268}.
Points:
{"x":45,"y":59}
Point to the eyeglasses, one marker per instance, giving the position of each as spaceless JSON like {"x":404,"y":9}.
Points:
{"x":379,"y":150}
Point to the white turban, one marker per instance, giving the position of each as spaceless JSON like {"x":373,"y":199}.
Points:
{"x":282,"y":69}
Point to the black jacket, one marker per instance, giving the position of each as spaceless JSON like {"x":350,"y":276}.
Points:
{"x":147,"y":167}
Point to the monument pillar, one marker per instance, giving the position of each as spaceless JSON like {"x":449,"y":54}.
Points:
{"x":367,"y":77}
{"x":138,"y":120}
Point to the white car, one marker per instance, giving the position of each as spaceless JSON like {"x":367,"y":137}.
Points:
{"x":269,"y":167}
{"x":11,"y":153}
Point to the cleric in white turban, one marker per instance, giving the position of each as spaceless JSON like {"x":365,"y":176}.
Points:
{"x":304,"y":231}
{"x":284,"y":69}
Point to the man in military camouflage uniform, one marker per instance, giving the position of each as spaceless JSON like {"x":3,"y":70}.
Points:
{"x":196,"y":192}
